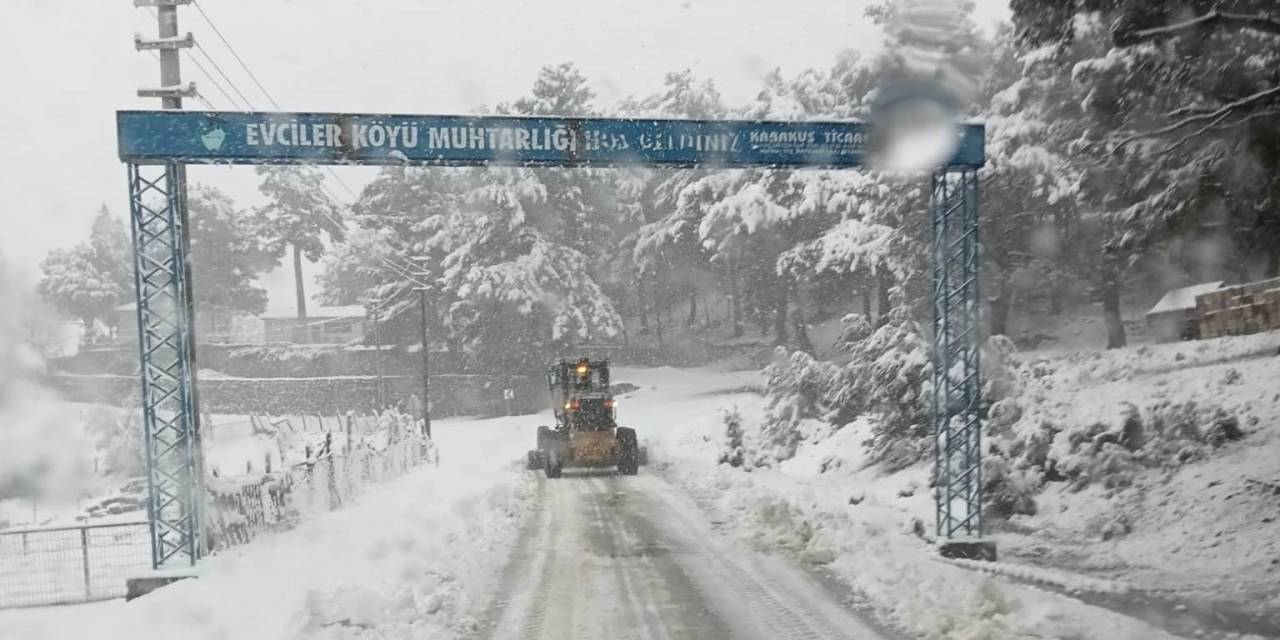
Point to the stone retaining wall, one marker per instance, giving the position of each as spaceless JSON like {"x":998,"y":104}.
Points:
{"x":451,"y":395}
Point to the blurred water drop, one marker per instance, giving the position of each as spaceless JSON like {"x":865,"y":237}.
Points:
{"x":915,"y":128}
{"x":932,"y":66}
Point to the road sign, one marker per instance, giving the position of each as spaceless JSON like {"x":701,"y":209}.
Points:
{"x":337,"y":138}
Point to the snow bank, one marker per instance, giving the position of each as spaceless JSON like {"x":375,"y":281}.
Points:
{"x":416,"y":558}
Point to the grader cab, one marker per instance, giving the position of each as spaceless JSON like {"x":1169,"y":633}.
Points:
{"x":586,"y":434}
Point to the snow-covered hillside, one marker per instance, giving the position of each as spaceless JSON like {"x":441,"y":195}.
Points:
{"x":1184,"y":509}
{"x":1123,"y":466}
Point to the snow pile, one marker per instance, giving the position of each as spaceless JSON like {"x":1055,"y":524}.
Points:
{"x":1059,"y":579}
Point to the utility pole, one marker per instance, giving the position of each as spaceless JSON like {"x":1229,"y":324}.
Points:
{"x":171,"y":92}
{"x":181,"y":514}
{"x":377,"y":349}
{"x":426,"y":358}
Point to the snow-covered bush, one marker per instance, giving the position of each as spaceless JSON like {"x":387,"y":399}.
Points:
{"x":732,"y":453}
{"x":797,"y":387}
{"x":1010,"y":467}
{"x":882,"y":371}
{"x":119,"y":440}
{"x":1164,"y":434}
{"x":1009,"y":490}
{"x":887,"y":374}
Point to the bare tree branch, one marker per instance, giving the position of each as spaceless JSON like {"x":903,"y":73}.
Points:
{"x":1213,"y":19}
{"x":1218,"y":125}
{"x":1214,"y":117}
{"x":1184,"y":139}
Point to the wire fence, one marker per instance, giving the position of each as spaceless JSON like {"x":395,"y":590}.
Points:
{"x":244,"y":507}
{"x":90,"y":562}
{"x":67,"y":565}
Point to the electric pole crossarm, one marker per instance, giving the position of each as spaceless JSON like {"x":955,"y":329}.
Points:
{"x":188,"y":91}
{"x":163,"y":44}
{"x":160,"y":3}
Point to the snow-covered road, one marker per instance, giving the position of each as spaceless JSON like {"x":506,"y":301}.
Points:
{"x":633,"y":557}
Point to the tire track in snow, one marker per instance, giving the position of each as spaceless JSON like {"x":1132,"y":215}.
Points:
{"x":632,"y":558}
{"x":616,"y":543}
{"x":796,"y":608}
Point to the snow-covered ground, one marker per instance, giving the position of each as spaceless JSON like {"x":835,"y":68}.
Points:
{"x":424,"y":556}
{"x":871,"y":546}
{"x":419,"y":552}
{"x":1202,"y":530}
{"x":232,"y":448}
{"x":1193,"y":540}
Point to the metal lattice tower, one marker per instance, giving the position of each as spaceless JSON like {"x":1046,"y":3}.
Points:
{"x":166,"y":343}
{"x":957,"y":346}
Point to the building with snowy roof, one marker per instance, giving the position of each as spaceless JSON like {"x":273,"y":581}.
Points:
{"x":1175,"y":316}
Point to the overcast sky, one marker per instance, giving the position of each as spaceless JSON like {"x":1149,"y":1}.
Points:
{"x":67,"y":65}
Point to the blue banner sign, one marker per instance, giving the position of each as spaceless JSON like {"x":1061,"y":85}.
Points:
{"x":332,"y":138}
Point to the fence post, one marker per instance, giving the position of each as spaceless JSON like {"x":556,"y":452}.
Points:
{"x":84,"y":558}
{"x":335,"y":495}
{"x":350,"y":427}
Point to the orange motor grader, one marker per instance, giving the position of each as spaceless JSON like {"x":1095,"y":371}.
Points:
{"x":586,"y":434}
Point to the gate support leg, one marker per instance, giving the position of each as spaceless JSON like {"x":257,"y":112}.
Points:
{"x":166,"y":347}
{"x":957,"y":376}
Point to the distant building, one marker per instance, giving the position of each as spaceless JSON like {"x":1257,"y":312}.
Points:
{"x":1175,"y":316}
{"x":213,"y":326}
{"x":327,"y":325}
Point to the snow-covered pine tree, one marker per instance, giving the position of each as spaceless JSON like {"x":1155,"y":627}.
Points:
{"x":227,"y":253}
{"x":299,"y":217}
{"x":665,"y":251}
{"x":88,"y":280}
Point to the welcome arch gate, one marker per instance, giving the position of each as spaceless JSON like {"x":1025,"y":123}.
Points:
{"x":157,"y":146}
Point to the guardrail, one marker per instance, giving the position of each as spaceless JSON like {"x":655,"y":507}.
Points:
{"x":64,"y":565}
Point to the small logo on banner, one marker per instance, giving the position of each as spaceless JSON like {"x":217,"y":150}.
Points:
{"x":212,"y":134}
{"x":213,"y":139}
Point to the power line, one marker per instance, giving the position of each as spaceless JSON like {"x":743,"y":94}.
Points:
{"x":206,"y":103}
{"x":199,"y":96}
{"x":387,"y":263}
{"x":232,"y":49}
{"x":398,"y":269}
{"x":244,"y":65}
{"x":224,"y":75}
{"x":212,"y":81}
